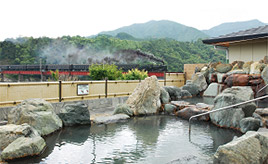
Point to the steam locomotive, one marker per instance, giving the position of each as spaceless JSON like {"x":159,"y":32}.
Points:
{"x":78,"y":67}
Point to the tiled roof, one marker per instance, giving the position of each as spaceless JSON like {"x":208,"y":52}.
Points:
{"x":253,"y":33}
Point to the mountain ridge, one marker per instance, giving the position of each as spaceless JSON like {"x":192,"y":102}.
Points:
{"x":172,"y":30}
{"x":230,"y":27}
{"x":160,"y":29}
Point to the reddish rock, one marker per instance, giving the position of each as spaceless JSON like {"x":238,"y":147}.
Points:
{"x":255,"y":82}
{"x":255,"y":76}
{"x":190,"y":111}
{"x":237,"y":80}
{"x":180,"y":104}
{"x":213,"y":78}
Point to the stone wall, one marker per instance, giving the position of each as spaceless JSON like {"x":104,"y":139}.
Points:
{"x":94,"y":106}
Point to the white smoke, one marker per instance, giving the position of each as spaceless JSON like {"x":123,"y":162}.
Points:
{"x":61,"y":52}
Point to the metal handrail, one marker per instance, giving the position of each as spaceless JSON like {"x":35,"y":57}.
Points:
{"x":257,"y":94}
{"x":223,"y":108}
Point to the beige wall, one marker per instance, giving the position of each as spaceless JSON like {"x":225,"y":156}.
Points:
{"x":253,"y":50}
{"x":14,"y":93}
{"x":189,"y":69}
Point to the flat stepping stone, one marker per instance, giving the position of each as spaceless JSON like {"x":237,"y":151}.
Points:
{"x":262,"y":111}
{"x":180,"y":104}
{"x":204,"y":106}
{"x":110,"y":119}
{"x":263,"y":130}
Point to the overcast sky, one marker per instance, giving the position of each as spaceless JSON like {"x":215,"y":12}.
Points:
{"x":55,"y":18}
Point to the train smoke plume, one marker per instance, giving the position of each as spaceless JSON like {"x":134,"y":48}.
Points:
{"x":60,"y":52}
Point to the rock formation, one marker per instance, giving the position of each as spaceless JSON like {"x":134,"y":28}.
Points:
{"x":146,"y":97}
{"x":200,"y":80}
{"x":22,"y":147}
{"x":231,"y":118}
{"x":10,"y":132}
{"x":74,"y":114}
{"x":124,"y":109}
{"x":38,"y":113}
{"x":250,"y":148}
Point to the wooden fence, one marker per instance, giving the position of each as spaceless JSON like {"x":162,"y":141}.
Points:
{"x":189,"y":70}
{"x":14,"y":93}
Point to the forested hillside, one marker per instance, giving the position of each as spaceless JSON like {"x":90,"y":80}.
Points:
{"x":160,"y":29}
{"x":81,"y":50}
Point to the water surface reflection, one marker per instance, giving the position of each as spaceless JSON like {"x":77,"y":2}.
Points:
{"x":152,"y":139}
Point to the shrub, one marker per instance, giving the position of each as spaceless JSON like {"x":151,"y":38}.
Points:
{"x":135,"y":74}
{"x":99,"y":72}
{"x":55,"y":75}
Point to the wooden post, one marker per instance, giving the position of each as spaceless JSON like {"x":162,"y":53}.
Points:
{"x":20,"y":77}
{"x":165,"y":78}
{"x":40,"y":67}
{"x":185,"y":76}
{"x":2,"y":77}
{"x":106,"y":87}
{"x":60,"y":87}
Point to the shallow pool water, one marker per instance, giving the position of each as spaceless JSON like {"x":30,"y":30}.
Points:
{"x":152,"y":139}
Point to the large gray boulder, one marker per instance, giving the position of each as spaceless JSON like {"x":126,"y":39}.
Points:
{"x":200,"y":80}
{"x":264,"y":74}
{"x":75,"y":114}
{"x":164,"y":96}
{"x":169,"y":108}
{"x":224,"y":68}
{"x":231,"y":118}
{"x":251,"y":148}
{"x":192,"y":88}
{"x":255,"y":68}
{"x":10,"y":132}
{"x":123,"y":109}
{"x":249,"y":109}
{"x":23,"y":147}
{"x":184,"y":94}
{"x":146,"y":97}
{"x":213,"y":90}
{"x":38,"y":113}
{"x":173,"y":91}
{"x":249,"y":124}
{"x":176,"y":93}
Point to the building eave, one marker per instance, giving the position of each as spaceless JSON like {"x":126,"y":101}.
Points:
{"x":225,"y":41}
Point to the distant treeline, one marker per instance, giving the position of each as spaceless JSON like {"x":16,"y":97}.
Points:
{"x":81,"y":50}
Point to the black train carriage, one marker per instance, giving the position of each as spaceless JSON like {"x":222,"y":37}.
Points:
{"x":80,"y":67}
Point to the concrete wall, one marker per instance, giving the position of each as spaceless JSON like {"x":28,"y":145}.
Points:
{"x":253,"y":50}
{"x":95,"y":106}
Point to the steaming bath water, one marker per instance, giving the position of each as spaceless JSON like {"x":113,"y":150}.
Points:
{"x":152,"y":139}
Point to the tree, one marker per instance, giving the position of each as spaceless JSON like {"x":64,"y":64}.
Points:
{"x":100,"y":72}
